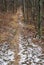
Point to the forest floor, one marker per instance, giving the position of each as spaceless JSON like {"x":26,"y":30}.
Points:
{"x":18,"y":45}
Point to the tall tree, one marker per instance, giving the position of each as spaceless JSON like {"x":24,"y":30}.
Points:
{"x":39,"y":17}
{"x":4,"y":5}
{"x":24,"y":9}
{"x":13,"y":5}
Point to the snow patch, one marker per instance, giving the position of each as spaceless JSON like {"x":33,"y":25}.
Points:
{"x":6,"y":55}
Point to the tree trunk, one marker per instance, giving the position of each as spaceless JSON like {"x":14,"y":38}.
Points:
{"x":39,"y":18}
{"x":13,"y":5}
{"x":4,"y":5}
{"x":24,"y":9}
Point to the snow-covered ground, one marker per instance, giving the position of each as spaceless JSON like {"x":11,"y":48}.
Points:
{"x":6,"y":54}
{"x":29,"y":52}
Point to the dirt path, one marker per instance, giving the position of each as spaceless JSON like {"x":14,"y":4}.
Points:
{"x":10,"y":33}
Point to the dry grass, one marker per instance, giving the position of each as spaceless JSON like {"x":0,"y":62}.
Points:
{"x":10,"y":21}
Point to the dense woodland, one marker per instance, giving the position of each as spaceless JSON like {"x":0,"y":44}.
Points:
{"x":33,"y":11}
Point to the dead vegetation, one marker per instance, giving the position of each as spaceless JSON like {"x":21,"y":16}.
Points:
{"x":10,"y":30}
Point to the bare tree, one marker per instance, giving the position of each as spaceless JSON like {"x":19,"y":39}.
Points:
{"x":39,"y":17}
{"x":4,"y":5}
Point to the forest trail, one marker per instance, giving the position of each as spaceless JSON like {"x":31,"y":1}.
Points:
{"x":16,"y":46}
{"x":10,"y":35}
